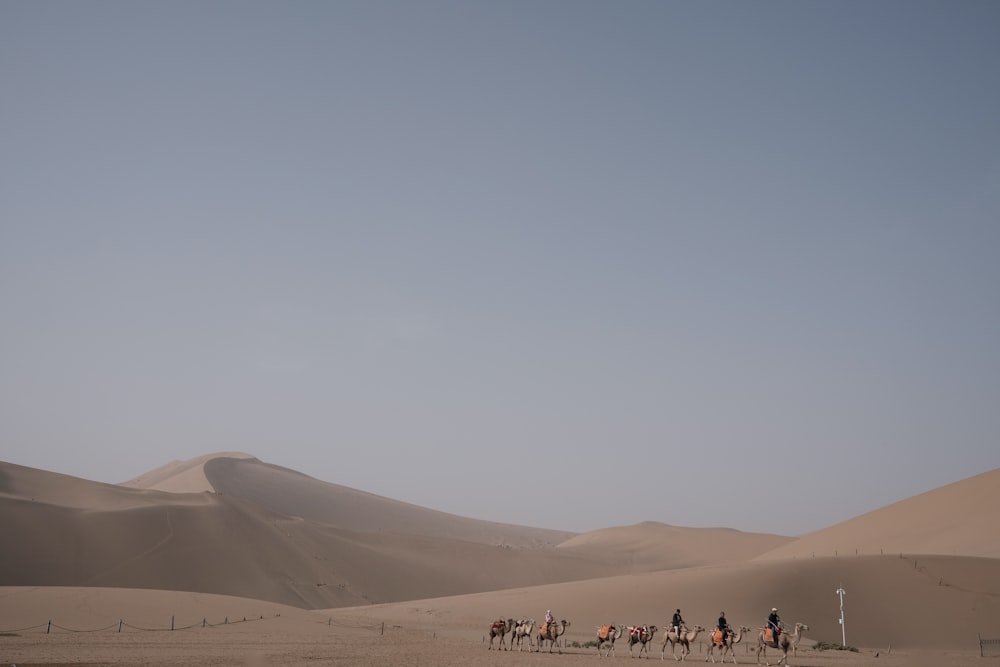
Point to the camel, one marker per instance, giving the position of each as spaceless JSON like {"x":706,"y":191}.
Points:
{"x":685,"y":639}
{"x":500,"y":628}
{"x":613,"y":632}
{"x":522,"y":631}
{"x":551,"y":632}
{"x":726,"y":645}
{"x":785,"y":641}
{"x":641,"y":635}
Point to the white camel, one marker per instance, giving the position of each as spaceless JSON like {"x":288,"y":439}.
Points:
{"x":522,"y":631}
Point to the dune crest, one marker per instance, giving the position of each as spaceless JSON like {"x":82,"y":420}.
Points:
{"x":181,"y":476}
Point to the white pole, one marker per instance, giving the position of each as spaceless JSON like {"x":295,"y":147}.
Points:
{"x":843,"y":630}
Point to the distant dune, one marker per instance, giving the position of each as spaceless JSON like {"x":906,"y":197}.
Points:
{"x":655,"y":546}
{"x":920,"y":573}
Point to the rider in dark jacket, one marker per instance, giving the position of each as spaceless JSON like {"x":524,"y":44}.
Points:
{"x":724,"y":626}
{"x":677,"y":622}
{"x":774,"y":622}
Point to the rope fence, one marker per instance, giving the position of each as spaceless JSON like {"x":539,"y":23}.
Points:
{"x":121,"y":625}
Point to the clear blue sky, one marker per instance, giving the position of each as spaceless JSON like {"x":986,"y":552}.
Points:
{"x":565,"y":264}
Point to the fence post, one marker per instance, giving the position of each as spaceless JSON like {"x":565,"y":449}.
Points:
{"x":49,"y":629}
{"x":171,"y":623}
{"x":119,"y":625}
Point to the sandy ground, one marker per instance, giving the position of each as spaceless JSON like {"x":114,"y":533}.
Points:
{"x":311,"y":639}
{"x":213,"y":630}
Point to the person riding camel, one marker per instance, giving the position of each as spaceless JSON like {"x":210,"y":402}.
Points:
{"x":676,"y":622}
{"x":549,"y":620}
{"x":723,"y":627}
{"x":774,"y":623}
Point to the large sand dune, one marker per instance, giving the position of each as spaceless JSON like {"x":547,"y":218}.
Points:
{"x":921,"y":575}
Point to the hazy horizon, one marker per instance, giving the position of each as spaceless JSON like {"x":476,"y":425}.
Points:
{"x":482,"y":257}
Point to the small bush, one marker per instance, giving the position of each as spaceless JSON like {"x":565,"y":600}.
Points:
{"x":826,"y":646}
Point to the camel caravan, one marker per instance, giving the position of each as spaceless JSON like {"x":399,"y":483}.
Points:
{"x":521,"y":630}
{"x":721,"y":642}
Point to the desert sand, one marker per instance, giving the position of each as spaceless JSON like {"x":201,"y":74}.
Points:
{"x":271,"y":567}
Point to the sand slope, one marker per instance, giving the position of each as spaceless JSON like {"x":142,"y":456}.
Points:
{"x":959,"y":519}
{"x":295,"y":494}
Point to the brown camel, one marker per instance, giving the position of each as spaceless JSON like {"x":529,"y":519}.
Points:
{"x":786,"y":641}
{"x":500,"y":628}
{"x":641,"y":635}
{"x":606,"y":636}
{"x":551,"y":632}
{"x":522,"y":631}
{"x":685,"y":639}
{"x":726,"y":644}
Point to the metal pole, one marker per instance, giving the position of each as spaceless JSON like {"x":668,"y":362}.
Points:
{"x":843,"y":630}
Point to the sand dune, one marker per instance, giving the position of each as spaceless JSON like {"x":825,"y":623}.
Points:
{"x":650,"y":546}
{"x":959,"y":519}
{"x":294,"y":494}
{"x":181,"y":476}
{"x":920,"y":575}
{"x":275,"y":534}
